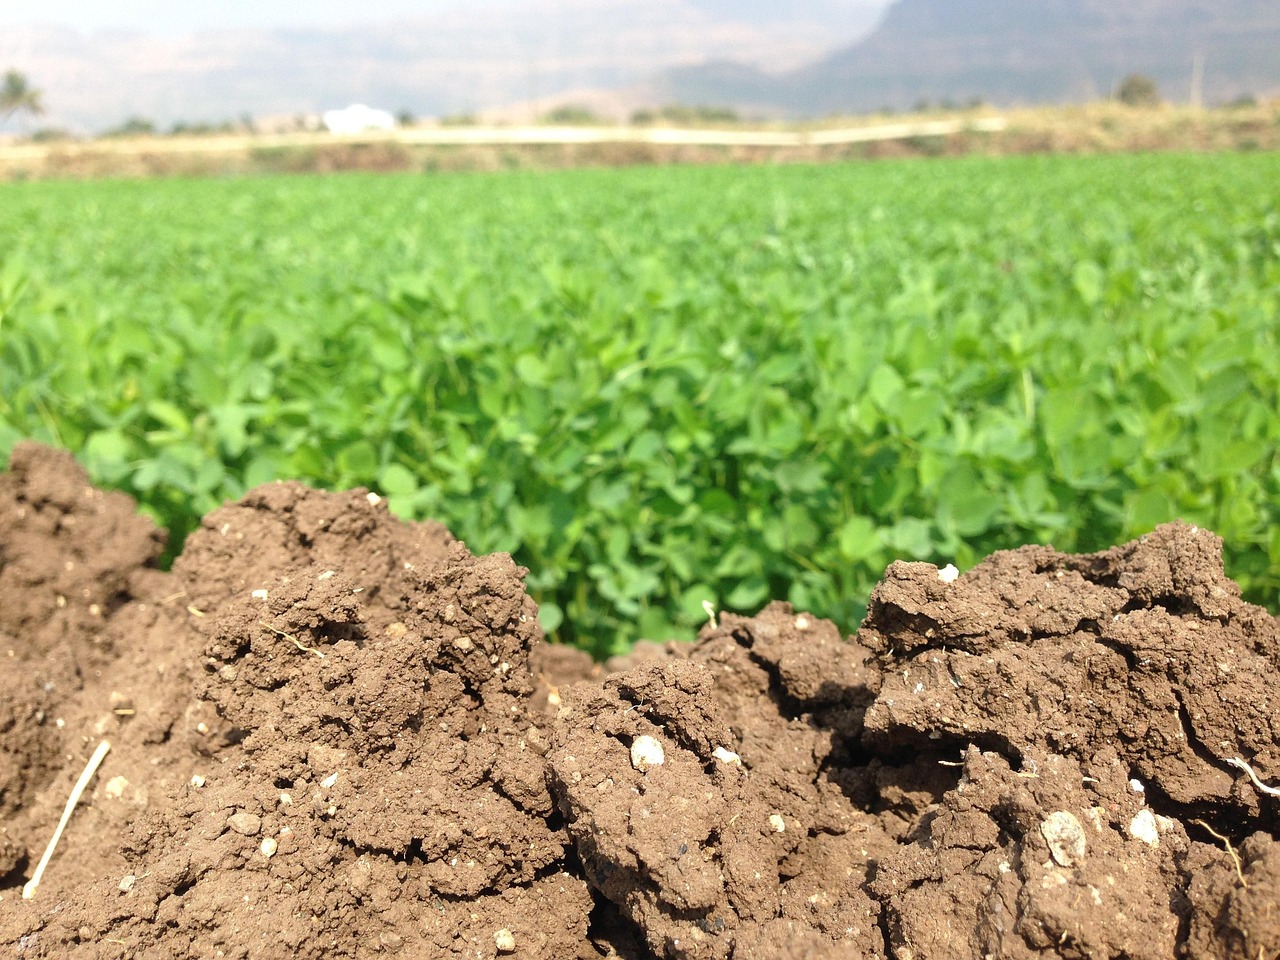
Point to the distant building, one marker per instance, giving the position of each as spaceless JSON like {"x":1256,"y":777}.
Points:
{"x":357,"y":118}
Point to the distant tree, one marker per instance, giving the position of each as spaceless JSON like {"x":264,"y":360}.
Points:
{"x":1138,"y":90}
{"x":678,"y":113}
{"x":50,"y":135}
{"x":405,"y":118}
{"x":17,"y":94}
{"x":182,"y":128}
{"x":133,"y":127}
{"x":571,"y":115}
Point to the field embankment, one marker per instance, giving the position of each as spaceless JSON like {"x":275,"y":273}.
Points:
{"x":1095,"y":128}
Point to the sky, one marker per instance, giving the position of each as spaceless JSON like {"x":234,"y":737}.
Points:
{"x":207,"y":60}
{"x":176,"y":16}
{"x":173,"y":17}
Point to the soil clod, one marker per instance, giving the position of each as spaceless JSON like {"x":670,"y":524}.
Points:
{"x":335,"y":734}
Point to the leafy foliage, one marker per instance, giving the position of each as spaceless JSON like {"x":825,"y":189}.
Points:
{"x":1138,"y":90}
{"x":17,"y":94}
{"x":659,"y":387}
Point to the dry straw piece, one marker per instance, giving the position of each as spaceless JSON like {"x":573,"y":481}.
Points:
{"x":1262,"y":787}
{"x":29,"y":889}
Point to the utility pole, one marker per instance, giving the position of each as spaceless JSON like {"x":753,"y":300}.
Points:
{"x":1197,"y":81}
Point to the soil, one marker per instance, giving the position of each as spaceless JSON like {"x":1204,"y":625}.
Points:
{"x":335,"y":734}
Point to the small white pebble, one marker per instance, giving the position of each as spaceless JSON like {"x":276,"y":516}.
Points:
{"x":373,"y":499}
{"x":1136,"y":786}
{"x":116,"y":787}
{"x":1065,"y":837}
{"x":197,"y":780}
{"x":726,"y":756}
{"x":286,"y":800}
{"x":268,"y":846}
{"x":329,"y":781}
{"x":1144,"y":827}
{"x":647,"y":752}
{"x":802,"y":622}
{"x":259,"y":594}
{"x":949,"y":573}
{"x":505,"y":941}
{"x":779,"y":825}
{"x":127,"y":882}
{"x":326,"y":575}
{"x":244,"y":823}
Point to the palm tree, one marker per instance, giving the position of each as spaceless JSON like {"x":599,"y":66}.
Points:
{"x":17,"y":94}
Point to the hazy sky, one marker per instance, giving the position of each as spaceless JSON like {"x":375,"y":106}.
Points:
{"x":185,"y":16}
{"x":177,"y":16}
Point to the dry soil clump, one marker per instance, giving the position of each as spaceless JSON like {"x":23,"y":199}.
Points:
{"x":335,"y":734}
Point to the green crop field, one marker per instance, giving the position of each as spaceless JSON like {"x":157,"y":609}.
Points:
{"x":662,"y":386}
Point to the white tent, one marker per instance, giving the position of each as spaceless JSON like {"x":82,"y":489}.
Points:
{"x":357,"y":118}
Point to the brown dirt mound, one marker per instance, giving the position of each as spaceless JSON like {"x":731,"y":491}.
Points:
{"x":337,"y":734}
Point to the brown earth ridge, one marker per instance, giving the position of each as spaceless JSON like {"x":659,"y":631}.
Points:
{"x":336,"y":734}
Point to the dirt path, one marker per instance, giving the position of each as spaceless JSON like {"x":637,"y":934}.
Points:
{"x":502,"y":136}
{"x":334,"y":734}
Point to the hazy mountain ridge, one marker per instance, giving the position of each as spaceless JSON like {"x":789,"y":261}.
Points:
{"x":457,"y":61}
{"x":1016,"y":51}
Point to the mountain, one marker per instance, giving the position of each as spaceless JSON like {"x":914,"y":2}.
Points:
{"x":465,"y":58}
{"x":1014,"y":52}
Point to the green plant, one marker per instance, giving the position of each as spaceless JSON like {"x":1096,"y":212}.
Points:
{"x":658,"y":387}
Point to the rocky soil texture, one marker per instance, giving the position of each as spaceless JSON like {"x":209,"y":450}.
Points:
{"x":334,"y":734}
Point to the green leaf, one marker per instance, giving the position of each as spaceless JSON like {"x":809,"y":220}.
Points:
{"x":909,"y":539}
{"x":550,"y":616}
{"x":397,"y":480}
{"x":748,"y":596}
{"x":531,"y":370}
{"x":107,"y":446}
{"x":171,"y":415}
{"x":800,"y":476}
{"x":1147,"y":509}
{"x":884,"y":387}
{"x":965,"y":503}
{"x":859,"y":539}
{"x":1087,"y":278}
{"x":358,"y":462}
{"x":693,"y":598}
{"x":261,"y":470}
